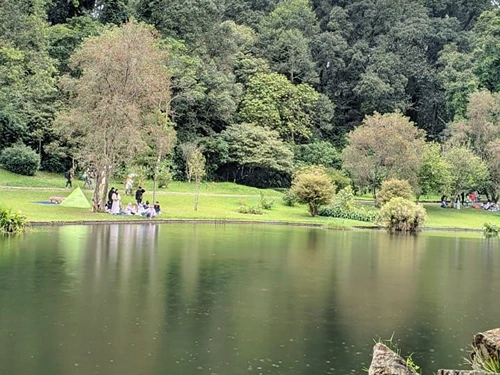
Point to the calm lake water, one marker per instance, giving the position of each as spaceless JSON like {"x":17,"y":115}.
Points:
{"x":231,"y":299}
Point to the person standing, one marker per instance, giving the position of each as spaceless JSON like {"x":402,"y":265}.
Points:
{"x":138,"y":195}
{"x":69,"y":178}
{"x":110,"y":198}
{"x":115,"y":206}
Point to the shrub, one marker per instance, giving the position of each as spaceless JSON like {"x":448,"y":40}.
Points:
{"x":402,"y":215}
{"x":12,"y":222}
{"x":393,"y":188}
{"x":490,"y":230}
{"x":339,"y":178}
{"x":266,"y":203}
{"x":289,"y":198}
{"x":344,"y":207}
{"x":20,"y":159}
{"x":313,"y":187}
{"x":254,"y":210}
{"x":355,"y":213}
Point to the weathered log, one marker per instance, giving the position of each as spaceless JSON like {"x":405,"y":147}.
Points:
{"x":462,"y":372}
{"x":386,"y":362}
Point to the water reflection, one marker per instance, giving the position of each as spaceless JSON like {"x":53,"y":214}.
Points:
{"x":186,"y":299}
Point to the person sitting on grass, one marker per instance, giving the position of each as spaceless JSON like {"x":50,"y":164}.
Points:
{"x":443,"y":201}
{"x":157,"y":208}
{"x":150,"y":212}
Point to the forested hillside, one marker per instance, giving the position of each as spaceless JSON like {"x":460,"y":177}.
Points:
{"x":262,"y":87}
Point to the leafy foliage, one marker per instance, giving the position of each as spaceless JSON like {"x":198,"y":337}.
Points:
{"x":252,"y":147}
{"x":289,"y":198}
{"x":20,"y":159}
{"x":435,"y":173}
{"x":393,"y":188}
{"x":344,"y":207}
{"x":490,"y":230}
{"x":401,"y":215}
{"x":12,"y":222}
{"x":313,"y":187}
{"x":385,"y":146}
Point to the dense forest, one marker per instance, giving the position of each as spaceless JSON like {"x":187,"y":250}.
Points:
{"x":262,"y":87}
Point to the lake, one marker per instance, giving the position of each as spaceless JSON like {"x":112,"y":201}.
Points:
{"x":239,"y":299}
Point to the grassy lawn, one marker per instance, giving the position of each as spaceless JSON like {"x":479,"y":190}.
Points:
{"x":219,"y":201}
{"x":174,"y":206}
{"x":464,"y":218}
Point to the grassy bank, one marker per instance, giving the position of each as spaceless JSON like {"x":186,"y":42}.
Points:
{"x":219,"y":201}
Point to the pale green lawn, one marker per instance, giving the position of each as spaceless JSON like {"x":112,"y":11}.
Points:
{"x":178,"y":206}
{"x":217,"y":201}
{"x":464,"y":218}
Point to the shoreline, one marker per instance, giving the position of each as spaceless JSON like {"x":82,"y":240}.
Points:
{"x":232,"y":221}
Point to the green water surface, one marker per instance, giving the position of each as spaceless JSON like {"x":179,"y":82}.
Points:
{"x":233,"y":299}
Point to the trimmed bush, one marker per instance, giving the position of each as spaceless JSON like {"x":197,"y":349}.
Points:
{"x":20,"y":159}
{"x":391,"y":189}
{"x":402,"y":215}
{"x":313,"y":187}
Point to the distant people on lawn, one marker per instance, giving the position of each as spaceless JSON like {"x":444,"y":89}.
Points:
{"x":87,"y":179}
{"x":115,"y":205}
{"x":109,"y":202}
{"x":69,"y":177}
{"x":129,"y":182}
{"x":138,"y":195}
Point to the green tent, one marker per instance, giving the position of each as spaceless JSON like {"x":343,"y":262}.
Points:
{"x":76,"y":199}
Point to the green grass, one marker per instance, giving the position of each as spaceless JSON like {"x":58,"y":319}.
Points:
{"x":219,"y":201}
{"x":174,"y":206}
{"x":465,"y":218}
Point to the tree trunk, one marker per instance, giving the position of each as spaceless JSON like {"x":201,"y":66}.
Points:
{"x":196,"y":195}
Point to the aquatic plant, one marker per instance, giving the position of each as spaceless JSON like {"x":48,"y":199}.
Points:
{"x":12,"y":222}
{"x":490,"y":230}
{"x":481,"y":361}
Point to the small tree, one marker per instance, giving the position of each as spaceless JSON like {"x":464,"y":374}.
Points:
{"x":391,"y":189}
{"x":195,"y":169}
{"x":435,"y":173}
{"x":402,"y":215}
{"x":313,"y":187}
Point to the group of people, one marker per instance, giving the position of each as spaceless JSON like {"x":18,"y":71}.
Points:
{"x":472,"y":199}
{"x":87,"y":178}
{"x":146,"y":209}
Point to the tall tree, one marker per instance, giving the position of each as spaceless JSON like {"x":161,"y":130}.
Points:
{"x":295,"y":111}
{"x":384,"y":146}
{"x":286,"y":40}
{"x":123,"y":83}
{"x":480,"y":131}
{"x":27,"y":74}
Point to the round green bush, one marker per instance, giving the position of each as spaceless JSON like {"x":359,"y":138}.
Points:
{"x":393,"y":188}
{"x":20,"y":159}
{"x":402,"y":215}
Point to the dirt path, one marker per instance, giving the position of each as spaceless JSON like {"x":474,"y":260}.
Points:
{"x":37,"y":188}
